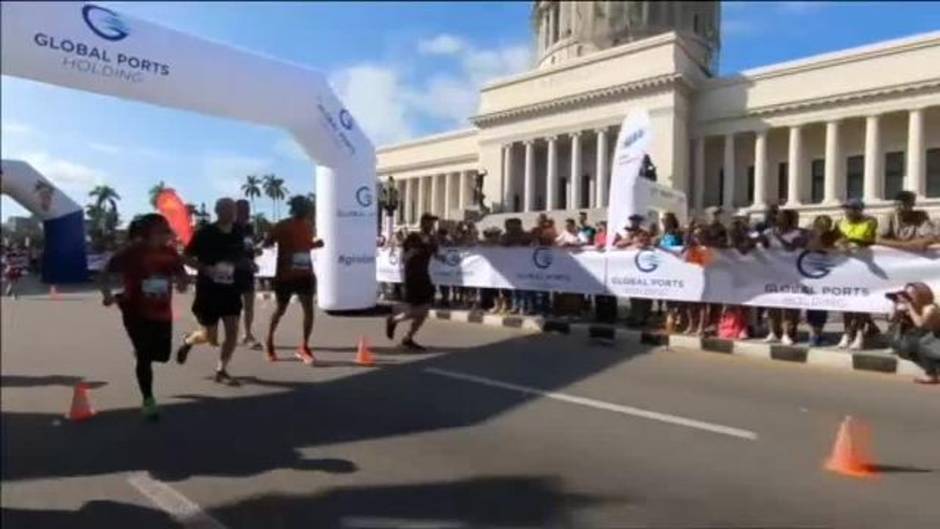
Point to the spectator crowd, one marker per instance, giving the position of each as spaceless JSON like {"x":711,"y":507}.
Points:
{"x":907,"y":228}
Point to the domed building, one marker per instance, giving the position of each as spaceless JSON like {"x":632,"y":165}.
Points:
{"x":806,"y":134}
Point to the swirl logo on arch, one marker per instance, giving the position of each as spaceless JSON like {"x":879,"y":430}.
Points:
{"x":452,"y":257}
{"x":364,"y":196}
{"x":104,"y":22}
{"x":346,"y":119}
{"x":646,"y":261}
{"x":542,"y":257}
{"x":814,"y":265}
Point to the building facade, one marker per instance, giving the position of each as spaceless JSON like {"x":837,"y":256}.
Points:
{"x":805,"y":134}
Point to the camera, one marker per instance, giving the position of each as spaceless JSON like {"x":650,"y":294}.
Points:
{"x":900,"y":295}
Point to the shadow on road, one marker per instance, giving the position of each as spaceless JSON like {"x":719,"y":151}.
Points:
{"x":21,"y":381}
{"x":99,"y":513}
{"x":244,"y":436}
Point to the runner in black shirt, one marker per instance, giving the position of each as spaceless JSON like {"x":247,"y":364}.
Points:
{"x":417,"y":251}
{"x":217,"y":251}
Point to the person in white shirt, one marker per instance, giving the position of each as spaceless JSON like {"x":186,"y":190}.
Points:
{"x":788,"y":236}
{"x":569,"y":237}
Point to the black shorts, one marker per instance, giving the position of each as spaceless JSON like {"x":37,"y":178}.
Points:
{"x":152,"y":339}
{"x":212,"y":304}
{"x":419,"y":292}
{"x":285,"y":288}
{"x":245,"y":282}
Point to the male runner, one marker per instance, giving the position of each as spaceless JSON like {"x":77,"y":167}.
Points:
{"x":417,"y":251}
{"x":217,"y":251}
{"x":294,"y":274}
{"x":245,"y":277}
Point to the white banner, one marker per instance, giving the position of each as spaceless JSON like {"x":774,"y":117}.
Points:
{"x":770,"y":278}
{"x":627,"y":195}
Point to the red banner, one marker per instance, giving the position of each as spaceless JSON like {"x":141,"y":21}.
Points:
{"x":174,"y":210}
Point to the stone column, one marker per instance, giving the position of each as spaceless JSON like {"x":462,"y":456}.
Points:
{"x":874,"y":186}
{"x":916,"y":178}
{"x":835,"y":190}
{"x":601,"y":169}
{"x":507,"y":178}
{"x":728,"y":188}
{"x":462,"y":190}
{"x":551,"y":185}
{"x":529,"y":182}
{"x":575,"y":170}
{"x":419,"y":209}
{"x":435,"y":192}
{"x":406,"y":202}
{"x":794,"y":166}
{"x":760,"y":169}
{"x":448,"y":191}
{"x":699,"y":175}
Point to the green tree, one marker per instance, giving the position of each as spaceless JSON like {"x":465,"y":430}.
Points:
{"x":252,"y":189}
{"x":262,"y":224}
{"x":103,"y":217}
{"x":105,"y":195}
{"x":202,"y":216}
{"x":155,"y":192}
{"x":274,"y":189}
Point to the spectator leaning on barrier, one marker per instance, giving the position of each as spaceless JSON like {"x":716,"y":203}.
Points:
{"x":600,"y":238}
{"x":821,"y":238}
{"x":907,"y":228}
{"x":785,"y":235}
{"x":916,"y":329}
{"x":714,"y":235}
{"x":568,"y":238}
{"x":670,"y":238}
{"x":586,"y":232}
{"x":856,"y":230}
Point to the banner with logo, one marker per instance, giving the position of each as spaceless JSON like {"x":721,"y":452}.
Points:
{"x":856,"y":281}
{"x":628,"y":195}
{"x":97,"y":49}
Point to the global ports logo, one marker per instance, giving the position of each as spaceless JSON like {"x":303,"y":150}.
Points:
{"x":104,"y":23}
{"x":646,"y":261}
{"x":814,"y":265}
{"x":452,"y":257}
{"x":364,"y":196}
{"x":345,"y":119}
{"x":542,"y":257}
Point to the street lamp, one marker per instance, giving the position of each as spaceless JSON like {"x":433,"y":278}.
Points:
{"x":388,"y":203}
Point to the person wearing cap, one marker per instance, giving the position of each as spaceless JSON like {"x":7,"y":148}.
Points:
{"x":417,"y":251}
{"x":856,"y":230}
{"x":907,"y":228}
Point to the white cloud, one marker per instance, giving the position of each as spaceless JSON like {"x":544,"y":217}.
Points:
{"x":443,"y":44}
{"x":106,"y":148}
{"x":16,"y":127}
{"x":391,"y":108}
{"x":226,"y":172}
{"x":289,"y":148}
{"x":73,"y":178}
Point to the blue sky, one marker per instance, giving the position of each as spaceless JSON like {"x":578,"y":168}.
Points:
{"x":403,"y":69}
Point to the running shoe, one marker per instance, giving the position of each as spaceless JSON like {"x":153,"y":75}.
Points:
{"x":269,"y":351}
{"x":150,"y":411}
{"x":183,"y":352}
{"x":408,"y":343}
{"x":390,"y":325}
{"x":305,"y":355}
{"x":222,"y":377}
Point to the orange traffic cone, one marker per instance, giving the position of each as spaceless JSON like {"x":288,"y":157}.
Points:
{"x":53,"y":292}
{"x":850,"y":454}
{"x":364,"y":355}
{"x":81,"y":407}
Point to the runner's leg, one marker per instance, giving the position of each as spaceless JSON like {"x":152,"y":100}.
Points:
{"x":276,"y":316}
{"x":418,"y":315}
{"x":248,"y":302}
{"x":229,"y":341}
{"x":306,"y":303}
{"x":144,"y":371}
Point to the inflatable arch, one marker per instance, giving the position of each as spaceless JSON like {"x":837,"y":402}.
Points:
{"x":92,"y":48}
{"x":63,"y":221}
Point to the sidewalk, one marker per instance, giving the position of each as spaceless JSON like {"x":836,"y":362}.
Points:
{"x":879,"y":360}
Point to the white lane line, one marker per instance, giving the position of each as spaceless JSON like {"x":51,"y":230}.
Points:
{"x":601,"y":405}
{"x":182,"y":509}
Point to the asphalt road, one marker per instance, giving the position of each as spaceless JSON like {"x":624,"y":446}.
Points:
{"x":493,"y":428}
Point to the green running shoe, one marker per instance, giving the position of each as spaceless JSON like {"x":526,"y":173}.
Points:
{"x":151,"y":413}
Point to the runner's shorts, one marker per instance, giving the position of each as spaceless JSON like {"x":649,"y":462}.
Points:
{"x":285,"y":288}
{"x":419,"y":292}
{"x":245,"y":281}
{"x":214,"y":303}
{"x":152,"y":339}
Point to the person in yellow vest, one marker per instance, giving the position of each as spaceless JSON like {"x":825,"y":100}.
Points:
{"x":856,"y":230}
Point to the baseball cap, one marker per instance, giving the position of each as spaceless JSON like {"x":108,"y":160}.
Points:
{"x":853,"y":203}
{"x":428,"y":217}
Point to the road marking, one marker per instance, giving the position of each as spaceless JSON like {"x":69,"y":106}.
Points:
{"x":185,"y":511}
{"x":601,"y":405}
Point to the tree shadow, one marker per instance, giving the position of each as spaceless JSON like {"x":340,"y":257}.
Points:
{"x":97,"y":513}
{"x":24,"y":381}
{"x":512,"y":501}
{"x":196,"y":437}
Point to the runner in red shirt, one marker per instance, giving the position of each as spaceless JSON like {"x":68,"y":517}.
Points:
{"x":294,"y":275}
{"x":149,"y":267}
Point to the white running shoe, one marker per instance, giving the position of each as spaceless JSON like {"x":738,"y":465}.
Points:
{"x":844,"y":342}
{"x":771,"y":338}
{"x":786,"y":340}
{"x":858,"y":343}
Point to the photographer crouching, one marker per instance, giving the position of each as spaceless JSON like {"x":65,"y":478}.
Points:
{"x":916,"y":329}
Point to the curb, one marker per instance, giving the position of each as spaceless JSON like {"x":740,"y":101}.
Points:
{"x":867,"y":361}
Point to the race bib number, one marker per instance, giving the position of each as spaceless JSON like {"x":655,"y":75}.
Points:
{"x":223,"y":273}
{"x":300,"y":261}
{"x":155,"y":287}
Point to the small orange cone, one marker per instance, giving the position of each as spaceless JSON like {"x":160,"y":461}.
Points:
{"x":364,"y":355}
{"x":81,"y":407}
{"x":850,"y":454}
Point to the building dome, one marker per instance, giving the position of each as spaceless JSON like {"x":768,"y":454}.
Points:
{"x":567,"y":30}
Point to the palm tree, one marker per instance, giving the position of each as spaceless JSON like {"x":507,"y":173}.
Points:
{"x":262,"y":225}
{"x":155,"y":193}
{"x":202,"y":216}
{"x":105,"y":194}
{"x":274,"y":189}
{"x":252,"y":189}
{"x":103,"y":215}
